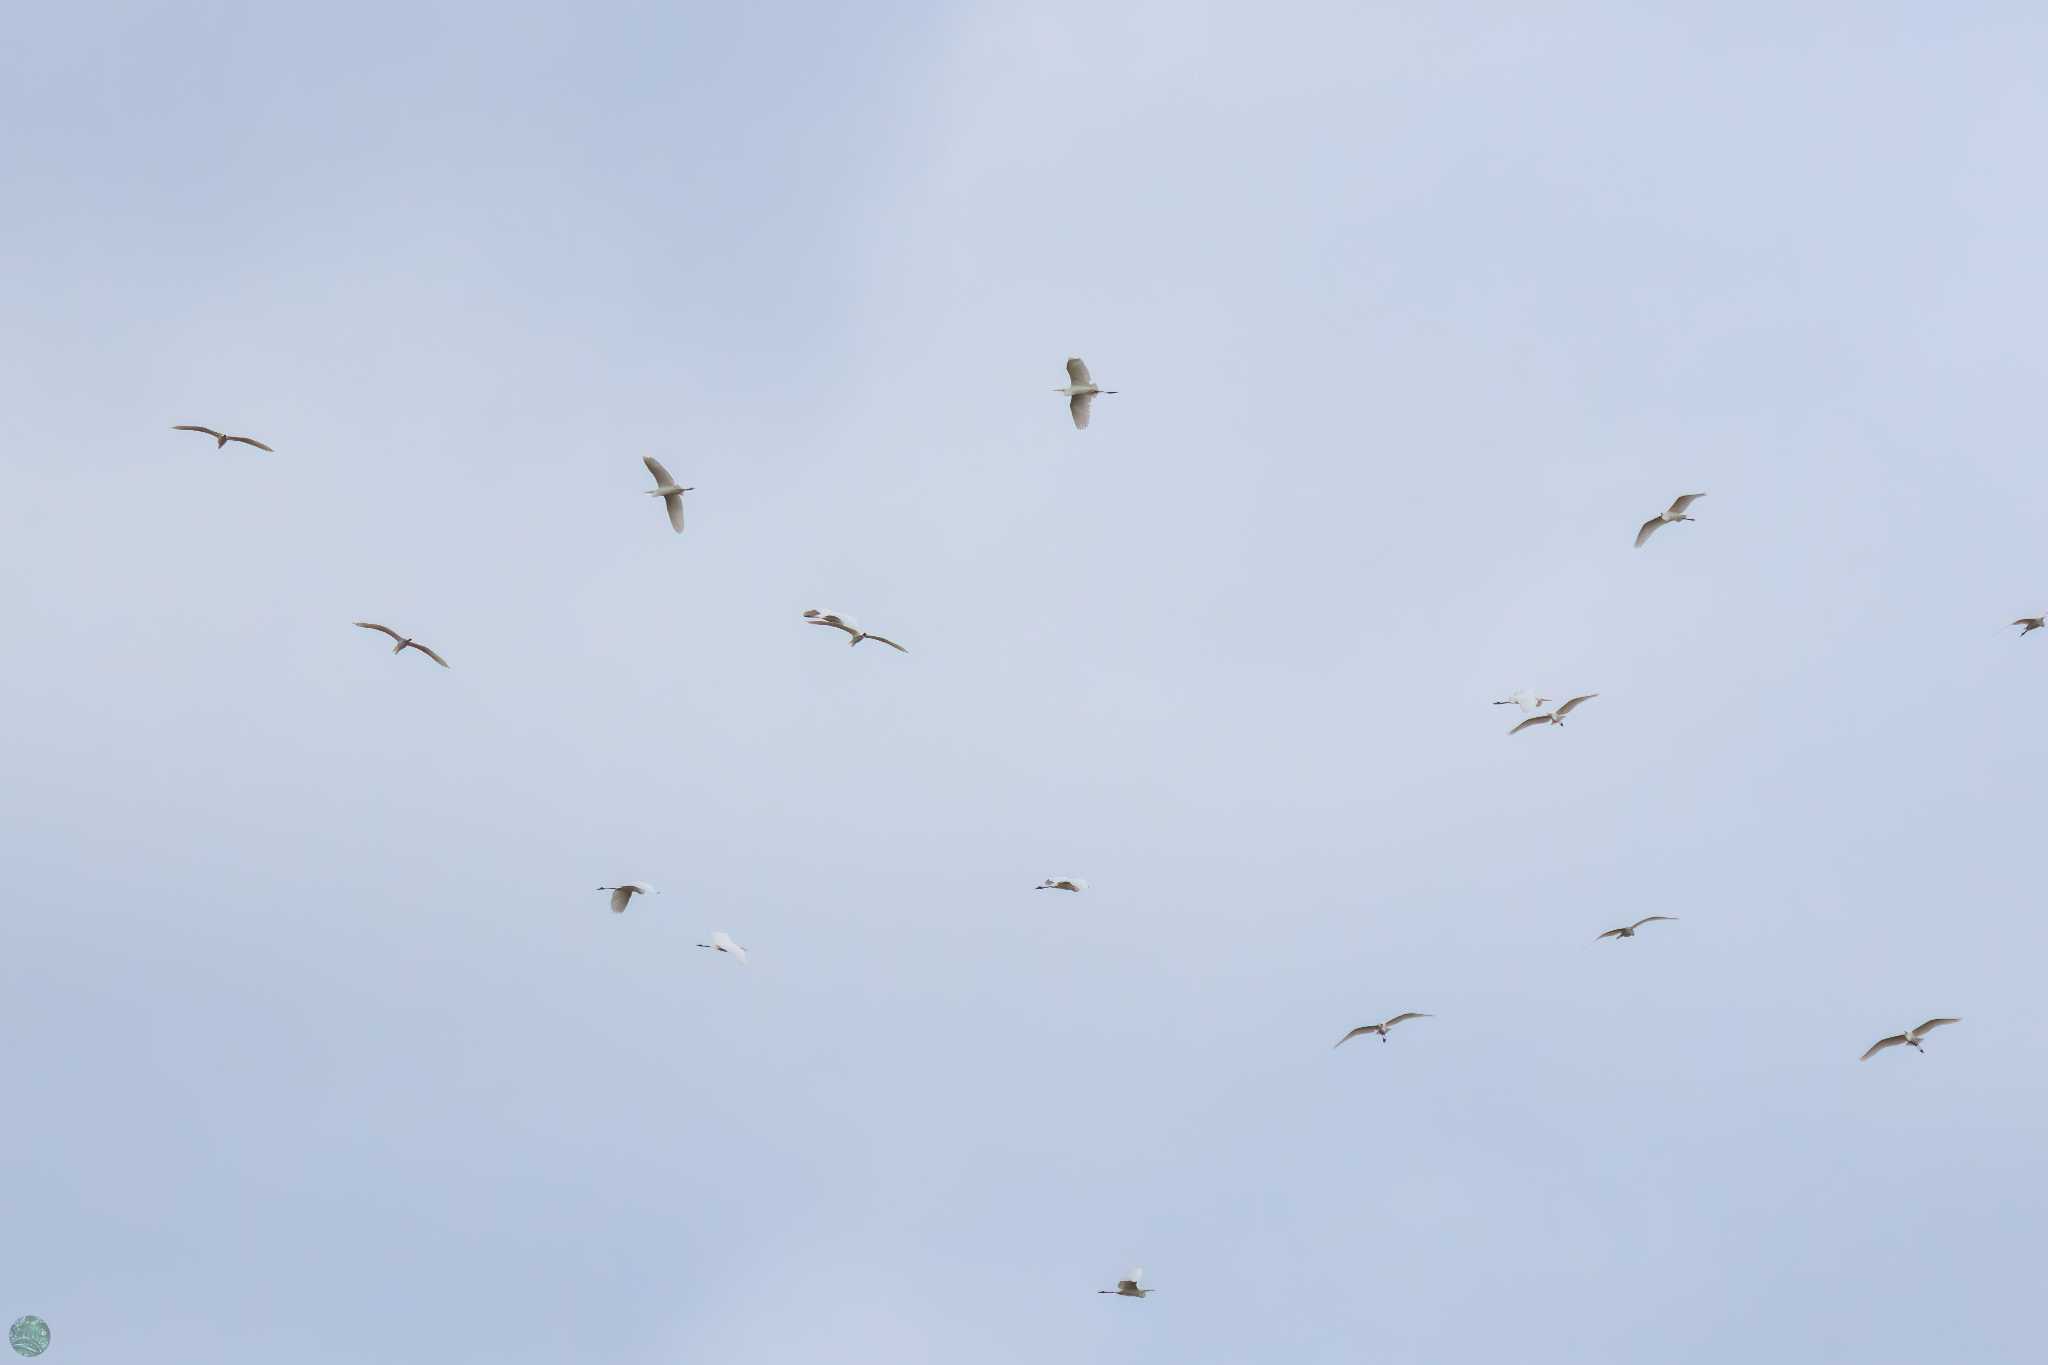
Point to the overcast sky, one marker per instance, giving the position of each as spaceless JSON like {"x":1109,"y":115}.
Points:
{"x":320,"y":1044}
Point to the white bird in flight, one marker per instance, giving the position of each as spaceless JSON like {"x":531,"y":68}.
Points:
{"x":405,"y":642}
{"x":1129,"y":1288}
{"x":1380,"y":1029}
{"x":624,"y":892}
{"x":1629,"y":930}
{"x":1080,"y":390}
{"x":2029,"y":624}
{"x":846,"y":623}
{"x":220,"y":439}
{"x":1675,"y":512}
{"x":1910,"y":1038}
{"x":722,"y":943}
{"x":1525,"y":699}
{"x":665,"y":489}
{"x":1553,"y":717}
{"x":1068,"y":884}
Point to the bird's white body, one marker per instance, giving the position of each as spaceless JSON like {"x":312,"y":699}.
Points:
{"x":1080,"y":390}
{"x":1525,"y":699}
{"x":721,"y":942}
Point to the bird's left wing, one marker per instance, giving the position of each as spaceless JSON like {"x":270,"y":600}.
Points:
{"x":1533,"y":720}
{"x":1404,"y":1018}
{"x":251,"y":441}
{"x":883,"y":639}
{"x":1931,"y":1025}
{"x":1881,"y":1044}
{"x":1683,"y":501}
{"x":372,"y":625}
{"x":1652,"y":524}
{"x":208,"y":430}
{"x":429,"y":653}
{"x":1078,"y":405}
{"x":1353,"y":1034}
{"x":1647,"y":919}
{"x":658,"y":470}
{"x":675,"y":511}
{"x":1612,"y":933}
{"x":1077,"y":370}
{"x":1566,"y":709}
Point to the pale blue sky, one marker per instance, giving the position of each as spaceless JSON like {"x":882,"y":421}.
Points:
{"x":322,"y":1047}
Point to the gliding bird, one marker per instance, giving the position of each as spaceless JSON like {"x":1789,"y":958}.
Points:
{"x":220,"y":439}
{"x":405,"y":642}
{"x":1675,"y":512}
{"x":846,"y":623}
{"x":1629,"y":930}
{"x":1129,"y":1288}
{"x":1380,"y":1029}
{"x":665,"y":489}
{"x":1070,"y":884}
{"x":625,"y":892}
{"x":1553,"y":717}
{"x":1080,"y":390}
{"x":721,"y":943}
{"x":1525,"y":699}
{"x":2029,"y":624}
{"x":1910,"y":1038}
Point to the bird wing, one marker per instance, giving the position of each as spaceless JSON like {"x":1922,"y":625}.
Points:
{"x":1683,"y":501}
{"x":1930,"y":1025}
{"x":889,"y":642}
{"x":1077,"y":370}
{"x":1566,"y":709}
{"x":724,"y":942}
{"x":208,"y":430}
{"x":1362,"y":1028}
{"x":1126,"y":1286}
{"x":372,"y":625}
{"x":1533,"y":720}
{"x":1648,"y":918}
{"x":2034,"y":621}
{"x":251,"y":441}
{"x":429,"y":653}
{"x":1403,"y":1018}
{"x":675,"y":511}
{"x":1651,"y":525}
{"x":658,"y":470}
{"x":1078,"y":405}
{"x":836,"y":624}
{"x":621,"y":895}
{"x":1613,"y":933}
{"x":1881,"y":1044}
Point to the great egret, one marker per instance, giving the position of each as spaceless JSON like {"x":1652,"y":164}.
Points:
{"x":2029,"y":624}
{"x":1525,"y":699}
{"x":1675,"y":512}
{"x":1629,"y":930}
{"x":846,"y":623}
{"x":1068,"y":884}
{"x":1910,"y":1038}
{"x":1380,"y":1029}
{"x":1553,"y":717}
{"x":665,"y":489}
{"x":220,"y":439}
{"x":625,"y":891}
{"x":405,"y":642}
{"x":1080,"y":390}
{"x":721,"y":943}
{"x":1129,"y":1288}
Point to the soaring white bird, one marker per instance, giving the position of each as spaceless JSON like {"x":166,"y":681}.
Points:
{"x":665,"y":489}
{"x":1067,"y":884}
{"x":1525,"y":699}
{"x":405,"y":642}
{"x":721,"y":943}
{"x":1553,"y":717}
{"x":220,"y":439}
{"x":1080,"y":390}
{"x":1380,"y":1029}
{"x":1675,"y":512}
{"x":1129,"y":1288}
{"x":2029,"y":624}
{"x":1629,"y":930}
{"x":1910,"y":1038}
{"x":625,"y":891}
{"x":846,"y":623}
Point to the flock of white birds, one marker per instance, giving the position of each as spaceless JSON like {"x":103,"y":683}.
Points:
{"x":1081,"y":391}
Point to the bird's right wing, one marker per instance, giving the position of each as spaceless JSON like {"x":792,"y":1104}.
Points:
{"x":252,"y":441}
{"x":430,"y":653}
{"x":658,"y":470}
{"x":883,"y":639}
{"x":620,"y":895}
{"x":208,"y":430}
{"x":1533,"y":720}
{"x":1566,"y":709}
{"x":1349,"y":1036}
{"x":1403,"y":1018}
{"x":1652,"y":524}
{"x":1931,"y":1025}
{"x":1078,"y":405}
{"x":1077,"y":370}
{"x":675,"y":511}
{"x":1647,"y":919}
{"x":372,"y":625}
{"x":1611,"y":933}
{"x":1683,"y":501}
{"x":1881,"y":1044}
